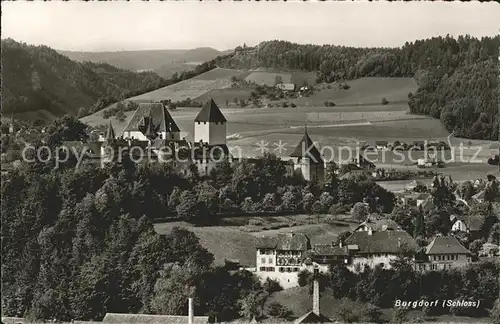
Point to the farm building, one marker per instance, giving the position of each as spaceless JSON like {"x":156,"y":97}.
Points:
{"x":286,"y":86}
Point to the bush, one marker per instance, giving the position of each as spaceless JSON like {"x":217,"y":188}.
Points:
{"x":284,"y":105}
{"x":399,"y":316}
{"x":371,"y":313}
{"x":272,"y":286}
{"x":495,"y":312}
{"x":348,"y":311}
{"x":384,"y":101}
{"x":293,"y":105}
{"x":255,"y":222}
{"x":277,"y":310}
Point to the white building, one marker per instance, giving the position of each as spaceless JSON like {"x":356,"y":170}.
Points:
{"x":377,"y":243}
{"x":281,"y":258}
{"x":445,"y":252}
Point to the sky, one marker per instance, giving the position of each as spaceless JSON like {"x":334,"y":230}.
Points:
{"x":116,"y":26}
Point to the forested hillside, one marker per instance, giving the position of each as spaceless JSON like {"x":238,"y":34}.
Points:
{"x":39,"y":78}
{"x":456,"y":77}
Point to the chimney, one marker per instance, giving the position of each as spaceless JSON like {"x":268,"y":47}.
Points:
{"x":190,"y":311}
{"x":316,"y":297}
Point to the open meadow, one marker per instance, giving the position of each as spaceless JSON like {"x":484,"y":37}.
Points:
{"x":358,"y":118}
{"x":236,"y":239}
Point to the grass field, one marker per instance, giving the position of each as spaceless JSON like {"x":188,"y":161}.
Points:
{"x":358,"y":118}
{"x":264,"y":76}
{"x":235,"y":242}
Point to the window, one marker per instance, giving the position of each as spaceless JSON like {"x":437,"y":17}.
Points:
{"x":270,"y":261}
{"x":295,"y":269}
{"x":262,"y":269}
{"x":204,"y":123}
{"x":288,"y":269}
{"x":282,"y":269}
{"x":198,"y":123}
{"x":263,"y":260}
{"x":270,"y":269}
{"x":433,"y":266}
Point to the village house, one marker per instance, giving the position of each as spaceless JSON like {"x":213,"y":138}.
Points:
{"x":377,"y":242}
{"x":470,"y":225}
{"x":281,"y":257}
{"x":286,"y":86}
{"x":381,"y":145}
{"x":444,"y":252}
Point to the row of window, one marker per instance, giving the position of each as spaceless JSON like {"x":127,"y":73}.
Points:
{"x":281,"y":269}
{"x":445,"y":257}
{"x":216,"y":123}
{"x":266,"y":252}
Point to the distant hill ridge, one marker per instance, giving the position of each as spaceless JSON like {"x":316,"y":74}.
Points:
{"x":164,"y":62}
{"x":38,"y":78}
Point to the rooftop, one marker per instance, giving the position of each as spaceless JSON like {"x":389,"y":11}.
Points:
{"x":162,"y":120}
{"x":285,"y":242}
{"x":210,"y":113}
{"x":306,"y":148}
{"x":156,"y":319}
{"x":446,"y":245}
{"x":381,"y":242}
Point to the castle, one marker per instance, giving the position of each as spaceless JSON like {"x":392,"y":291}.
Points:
{"x":152,"y":133}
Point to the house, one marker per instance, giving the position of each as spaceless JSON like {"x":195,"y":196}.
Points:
{"x":414,"y":184}
{"x":307,"y":160}
{"x":470,"y":225}
{"x":286,"y":86}
{"x":116,"y":318}
{"x":479,"y":197}
{"x":314,"y":316}
{"x":445,"y":252}
{"x":281,"y":257}
{"x":378,"y":225}
{"x":422,"y":198}
{"x":381,"y":145}
{"x":372,"y":248}
{"x":323,"y":256}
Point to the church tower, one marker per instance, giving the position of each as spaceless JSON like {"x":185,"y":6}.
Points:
{"x":308,"y":161}
{"x":210,"y":125}
{"x":109,"y":145}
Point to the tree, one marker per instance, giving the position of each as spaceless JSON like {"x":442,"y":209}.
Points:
{"x":494,"y":236}
{"x":399,"y":316}
{"x":252,"y":305}
{"x":384,"y":101}
{"x":120,"y":116}
{"x":277,"y":310}
{"x":278,"y":80}
{"x":476,"y":246}
{"x":342,"y":237}
{"x":67,"y":128}
{"x":359,"y":212}
{"x":272,"y":286}
{"x":495,"y":312}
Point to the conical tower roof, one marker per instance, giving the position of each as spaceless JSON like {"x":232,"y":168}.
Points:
{"x":210,"y":113}
{"x":110,"y":134}
{"x":306,"y":148}
{"x":150,"y":127}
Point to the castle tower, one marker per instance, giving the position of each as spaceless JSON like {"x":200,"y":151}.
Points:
{"x":210,"y":125}
{"x":308,"y":160}
{"x":109,"y":145}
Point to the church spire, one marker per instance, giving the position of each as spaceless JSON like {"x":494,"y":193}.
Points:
{"x":110,"y":134}
{"x":150,"y":129}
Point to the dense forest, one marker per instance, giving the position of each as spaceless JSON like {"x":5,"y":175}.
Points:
{"x":466,"y":105}
{"x":39,"y":78}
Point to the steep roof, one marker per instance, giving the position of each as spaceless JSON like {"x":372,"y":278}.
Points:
{"x":311,"y":317}
{"x":306,"y":148}
{"x":210,"y":113}
{"x":110,"y":133}
{"x":328,"y":249}
{"x":381,"y":242}
{"x":162,"y":119}
{"x":153,"y":319}
{"x":286,"y":242}
{"x":380,"y":225}
{"x":446,"y":245}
